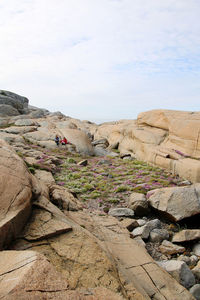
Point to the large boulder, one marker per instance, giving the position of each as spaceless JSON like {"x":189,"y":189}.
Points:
{"x":16,"y":101}
{"x":176,"y":203}
{"x":15,"y":194}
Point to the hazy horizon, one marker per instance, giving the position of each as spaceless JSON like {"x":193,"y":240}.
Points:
{"x":102,"y":60}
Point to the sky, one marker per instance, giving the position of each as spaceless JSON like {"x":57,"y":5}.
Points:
{"x":102,"y":60}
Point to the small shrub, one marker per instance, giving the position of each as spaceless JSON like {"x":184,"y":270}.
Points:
{"x":32,"y":170}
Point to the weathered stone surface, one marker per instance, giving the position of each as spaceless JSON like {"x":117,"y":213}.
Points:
{"x":28,"y":275}
{"x":43,"y":224}
{"x":25,"y":122}
{"x":7,"y":110}
{"x":177,"y":202}
{"x":64,"y":199}
{"x":180,"y":271}
{"x":186,"y":235}
{"x":139,"y":204}
{"x":169,"y":248}
{"x":11,"y":138}
{"x":45,"y":177}
{"x":121,"y":212}
{"x":19,"y":130}
{"x":15,"y":194}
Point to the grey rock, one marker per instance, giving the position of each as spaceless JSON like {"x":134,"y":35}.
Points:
{"x":141,"y":222}
{"x":142,"y":231}
{"x":3,"y":122}
{"x":185,"y":258}
{"x":158,"y":235}
{"x":153,"y":224}
{"x":195,"y":291}
{"x":18,"y":102}
{"x":25,"y":122}
{"x":38,"y":114}
{"x":8,"y":110}
{"x":121,"y":212}
{"x":180,"y":271}
{"x":194,"y":259}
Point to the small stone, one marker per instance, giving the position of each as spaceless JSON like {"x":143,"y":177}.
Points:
{"x":158,"y":235}
{"x":180,"y":271}
{"x":194,"y":259}
{"x":185,"y":258}
{"x":195,"y":291}
{"x":142,"y":231}
{"x":169,"y":248}
{"x":153,"y":224}
{"x":141,"y":222}
{"x":121,"y":212}
{"x":83,"y":163}
{"x":196,"y":249}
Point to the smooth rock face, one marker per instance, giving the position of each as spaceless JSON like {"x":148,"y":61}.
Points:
{"x":15,"y":194}
{"x":180,"y":271}
{"x":186,"y":235}
{"x":139,"y":204}
{"x":7,"y":110}
{"x":121,"y":212}
{"x":25,"y":122}
{"x":14,"y":100}
{"x":45,"y":176}
{"x":43,"y":224}
{"x":177,"y":202}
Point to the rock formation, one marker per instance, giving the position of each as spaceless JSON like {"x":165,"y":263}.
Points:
{"x":169,"y":139}
{"x":54,"y":246}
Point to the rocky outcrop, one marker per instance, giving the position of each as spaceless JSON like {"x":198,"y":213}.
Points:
{"x":20,"y":279}
{"x":15,"y":194}
{"x":18,"y":103}
{"x":176,"y":202}
{"x":169,"y":139}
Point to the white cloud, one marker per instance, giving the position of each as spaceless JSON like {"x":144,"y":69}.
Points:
{"x":101,"y":59}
